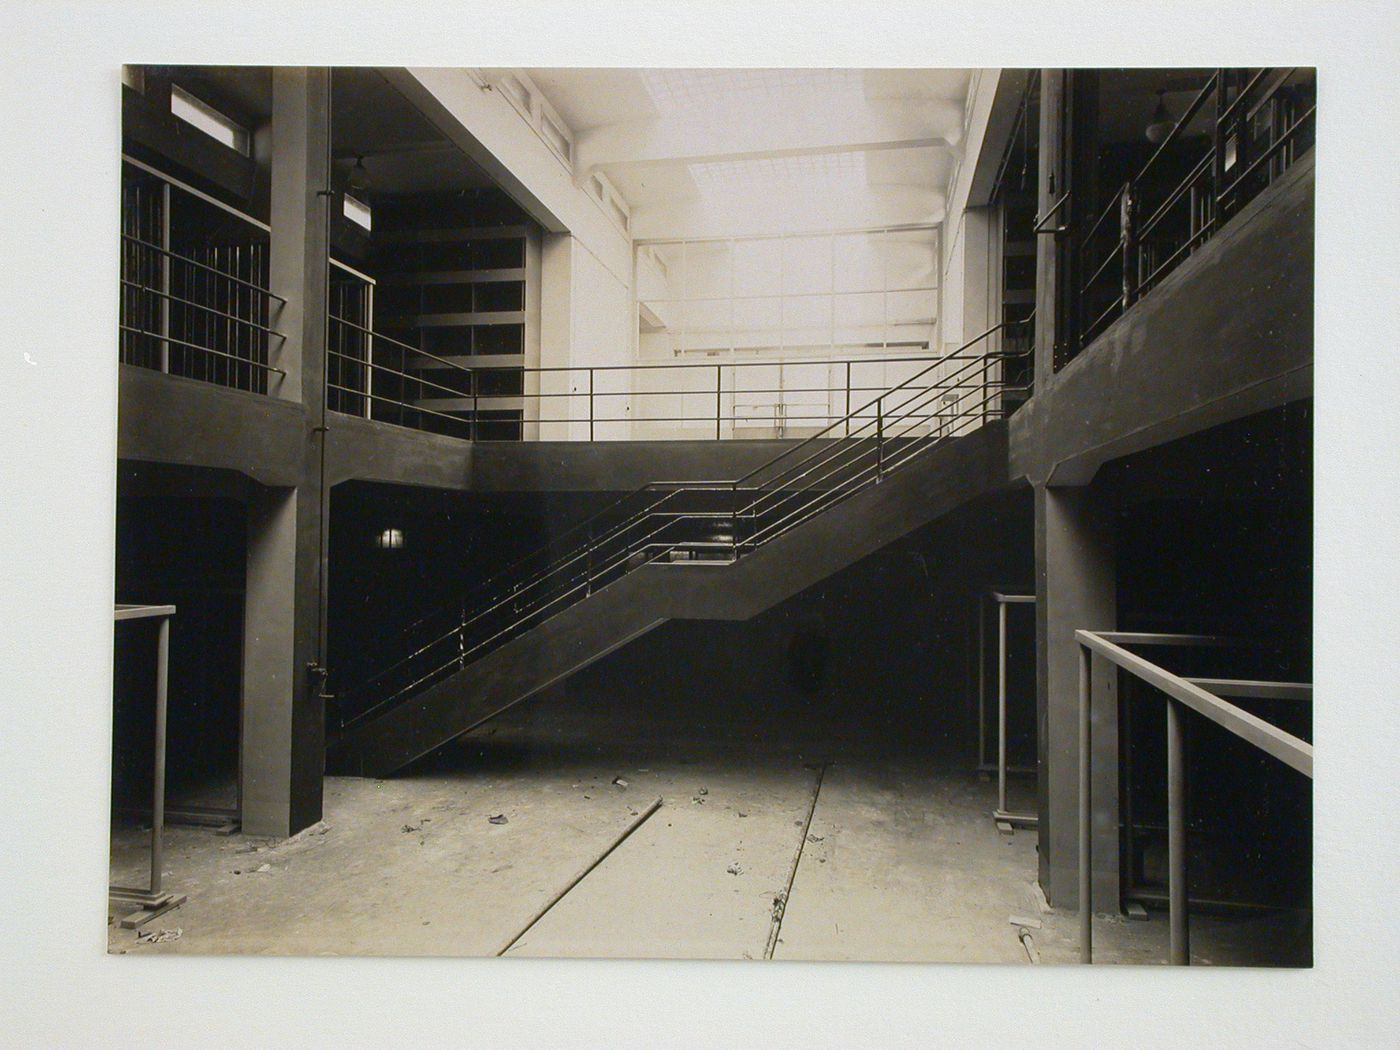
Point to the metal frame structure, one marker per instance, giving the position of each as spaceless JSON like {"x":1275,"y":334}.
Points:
{"x":209,"y":318}
{"x":140,"y":906}
{"x":453,"y":399}
{"x":1205,"y":697}
{"x":687,"y":520}
{"x":1002,"y":597}
{"x":1258,"y":128}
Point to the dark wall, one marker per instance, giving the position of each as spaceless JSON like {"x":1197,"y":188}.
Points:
{"x":190,"y":553}
{"x":453,"y":542}
{"x":876,"y":659}
{"x":1215,"y":537}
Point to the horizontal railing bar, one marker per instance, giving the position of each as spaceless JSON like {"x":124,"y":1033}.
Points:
{"x":1111,"y":258}
{"x":1149,"y":638}
{"x":199,"y":194}
{"x":458,"y":420}
{"x":1202,"y":166}
{"x":1268,"y":155}
{"x":395,"y":342}
{"x":1108,"y":208}
{"x":1266,"y":96}
{"x":1257,"y":690}
{"x":1211,"y":85}
{"x":1199,"y":237}
{"x":364,"y":362}
{"x":1240,"y":99}
{"x":203,"y":266}
{"x":200,"y":306}
{"x":1287,"y":748}
{"x":203,"y":349}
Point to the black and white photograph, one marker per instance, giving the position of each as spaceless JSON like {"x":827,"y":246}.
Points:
{"x":745,"y":507}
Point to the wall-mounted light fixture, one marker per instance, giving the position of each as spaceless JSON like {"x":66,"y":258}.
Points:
{"x":389,"y":540}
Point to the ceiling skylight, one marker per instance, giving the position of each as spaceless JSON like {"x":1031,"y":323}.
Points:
{"x":691,"y":88}
{"x":811,"y":167}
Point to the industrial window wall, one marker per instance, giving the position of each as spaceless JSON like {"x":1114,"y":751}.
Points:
{"x":782,"y":335}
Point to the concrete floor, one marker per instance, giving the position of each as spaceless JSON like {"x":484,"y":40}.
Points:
{"x":901,"y":863}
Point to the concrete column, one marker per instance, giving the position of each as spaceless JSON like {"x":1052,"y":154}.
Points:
{"x":1051,"y":176}
{"x":557,"y":339}
{"x":283,"y":715}
{"x":1075,"y":532}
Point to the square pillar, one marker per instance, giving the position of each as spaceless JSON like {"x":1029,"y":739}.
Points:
{"x":1075,"y":534}
{"x":284,"y":635}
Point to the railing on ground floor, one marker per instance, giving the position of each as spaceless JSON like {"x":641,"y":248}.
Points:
{"x":1205,"y":696}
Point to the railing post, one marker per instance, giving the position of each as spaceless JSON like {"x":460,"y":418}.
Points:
{"x":848,"y":399}
{"x":1127,"y":214}
{"x":590,"y":404}
{"x":1086,"y":903}
{"x":719,"y":383}
{"x":1001,"y":707}
{"x":734,"y":521}
{"x":476,"y":414}
{"x":1176,"y":837}
{"x":880,"y":438}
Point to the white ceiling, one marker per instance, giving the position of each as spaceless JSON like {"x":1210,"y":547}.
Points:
{"x":723,"y":152}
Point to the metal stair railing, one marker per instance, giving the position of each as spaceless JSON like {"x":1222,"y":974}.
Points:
{"x":720,"y":518}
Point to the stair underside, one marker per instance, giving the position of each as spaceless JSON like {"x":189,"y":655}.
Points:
{"x":922,"y":490}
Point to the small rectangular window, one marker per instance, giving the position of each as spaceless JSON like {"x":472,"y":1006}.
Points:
{"x":358,"y":212}
{"x":208,"y":119}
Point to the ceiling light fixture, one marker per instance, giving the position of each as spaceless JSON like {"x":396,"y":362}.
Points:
{"x":359,"y":183}
{"x":1162,"y":123}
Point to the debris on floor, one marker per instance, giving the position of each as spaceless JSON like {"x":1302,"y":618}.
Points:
{"x":1021,"y":920}
{"x":500,"y":818}
{"x":159,"y":936}
{"x":619,"y":782}
{"x":696,"y":800}
{"x":408,"y":829}
{"x":742,"y":813}
{"x":703,"y":791}
{"x":734,"y":869}
{"x":816,"y":838}
{"x":1028,"y":942}
{"x":779,"y":904}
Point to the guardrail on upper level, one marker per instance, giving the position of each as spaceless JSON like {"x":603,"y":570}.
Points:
{"x":194,"y":276}
{"x":386,"y":379}
{"x":1262,"y":121}
{"x":1205,"y":697}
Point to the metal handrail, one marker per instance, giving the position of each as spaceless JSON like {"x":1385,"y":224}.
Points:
{"x":1180,"y":692}
{"x":1139,"y":270}
{"x":620,"y":537}
{"x":252,"y":286}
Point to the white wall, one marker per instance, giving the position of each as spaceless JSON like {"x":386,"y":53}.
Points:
{"x":587,"y":312}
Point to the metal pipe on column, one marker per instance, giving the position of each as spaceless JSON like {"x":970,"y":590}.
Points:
{"x":158,"y":790}
{"x":1086,"y":906}
{"x":1176,"y":836}
{"x":1001,"y":707}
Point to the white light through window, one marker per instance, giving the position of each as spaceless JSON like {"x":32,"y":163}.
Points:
{"x":820,"y":167}
{"x":389,"y":540}
{"x":686,"y":88}
{"x":208,"y":119}
{"x":358,"y":212}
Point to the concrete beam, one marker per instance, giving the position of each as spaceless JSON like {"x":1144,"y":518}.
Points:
{"x":1229,"y":333}
{"x":169,"y":419}
{"x":363,"y":450}
{"x":765,"y":131}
